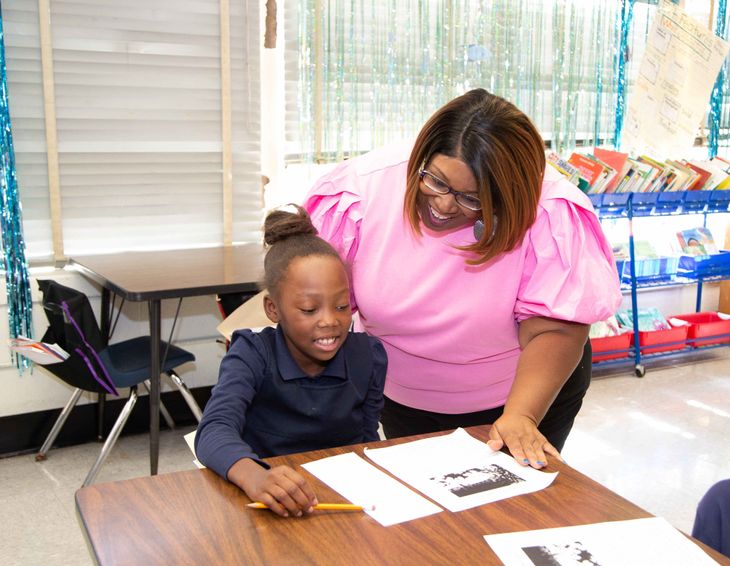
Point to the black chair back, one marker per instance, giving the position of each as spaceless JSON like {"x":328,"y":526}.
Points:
{"x":73,"y":326}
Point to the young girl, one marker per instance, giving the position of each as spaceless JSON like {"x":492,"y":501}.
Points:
{"x":307,"y":384}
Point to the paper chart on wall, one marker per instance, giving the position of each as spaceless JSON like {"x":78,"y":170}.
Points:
{"x":672,"y":90}
{"x":618,"y":543}
{"x":363,"y":484}
{"x":458,"y":471}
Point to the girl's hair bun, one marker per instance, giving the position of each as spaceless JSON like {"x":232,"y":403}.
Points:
{"x":282,"y":224}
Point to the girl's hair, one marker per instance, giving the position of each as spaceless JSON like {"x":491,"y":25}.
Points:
{"x":290,"y":235}
{"x":504,"y":152}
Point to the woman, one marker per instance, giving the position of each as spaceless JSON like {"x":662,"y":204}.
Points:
{"x":480,"y":271}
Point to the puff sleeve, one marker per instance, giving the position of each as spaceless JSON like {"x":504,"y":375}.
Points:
{"x":334,"y":203}
{"x":569,"y":272}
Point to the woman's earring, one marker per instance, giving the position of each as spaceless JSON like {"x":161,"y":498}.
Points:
{"x":479,"y":228}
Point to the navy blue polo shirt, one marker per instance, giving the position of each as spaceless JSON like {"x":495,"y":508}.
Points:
{"x":265,"y":405}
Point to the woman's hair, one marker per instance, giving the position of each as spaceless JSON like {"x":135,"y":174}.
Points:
{"x":504,"y":152}
{"x":290,"y":235}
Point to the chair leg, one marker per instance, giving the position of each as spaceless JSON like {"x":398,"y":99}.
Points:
{"x":163,"y":410}
{"x":58,"y":425}
{"x":112,"y":438}
{"x":187,"y":395}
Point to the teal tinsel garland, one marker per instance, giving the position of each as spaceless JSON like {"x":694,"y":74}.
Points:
{"x":717,"y":90}
{"x":16,"y":268}
{"x":627,"y":10}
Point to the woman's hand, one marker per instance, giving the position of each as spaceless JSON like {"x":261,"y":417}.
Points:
{"x":526,"y":444}
{"x":281,"y":489}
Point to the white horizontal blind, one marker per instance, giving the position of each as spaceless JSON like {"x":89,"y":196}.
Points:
{"x":23,"y":62}
{"x":138,"y":99}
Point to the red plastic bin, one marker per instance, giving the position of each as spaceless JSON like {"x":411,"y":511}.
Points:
{"x":705,"y":325}
{"x":658,"y":339}
{"x":608,"y":343}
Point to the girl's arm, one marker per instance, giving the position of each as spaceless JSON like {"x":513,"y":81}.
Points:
{"x":551,"y":350}
{"x":219,"y":441}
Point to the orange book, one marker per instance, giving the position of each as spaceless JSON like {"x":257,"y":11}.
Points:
{"x":701,"y":180}
{"x":616,"y":159}
{"x":590,"y":170}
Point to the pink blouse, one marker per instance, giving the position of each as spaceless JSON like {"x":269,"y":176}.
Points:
{"x":450,"y":329}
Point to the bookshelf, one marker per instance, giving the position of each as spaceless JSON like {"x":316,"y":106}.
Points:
{"x":702,"y":269}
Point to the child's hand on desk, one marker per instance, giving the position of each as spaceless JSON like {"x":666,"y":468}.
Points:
{"x":282,"y":489}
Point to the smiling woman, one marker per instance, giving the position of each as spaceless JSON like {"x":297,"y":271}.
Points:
{"x":479,"y":269}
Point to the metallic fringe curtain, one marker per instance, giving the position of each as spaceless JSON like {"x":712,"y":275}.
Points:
{"x":16,"y":268}
{"x":718,"y":115}
{"x":372,"y":72}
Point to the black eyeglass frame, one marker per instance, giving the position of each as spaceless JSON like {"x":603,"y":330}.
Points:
{"x":463,"y":199}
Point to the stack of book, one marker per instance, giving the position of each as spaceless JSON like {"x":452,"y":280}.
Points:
{"x":609,"y":171}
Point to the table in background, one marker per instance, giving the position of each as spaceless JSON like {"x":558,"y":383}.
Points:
{"x":195,"y":517}
{"x":169,"y":274}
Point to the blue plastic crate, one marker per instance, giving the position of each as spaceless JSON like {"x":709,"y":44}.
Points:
{"x":615,"y":201}
{"x":719,"y":201}
{"x":695,"y":201}
{"x":715,"y":265}
{"x":643,"y":204}
{"x":670,"y":201}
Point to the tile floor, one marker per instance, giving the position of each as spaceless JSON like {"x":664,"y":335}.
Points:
{"x":660,"y":441}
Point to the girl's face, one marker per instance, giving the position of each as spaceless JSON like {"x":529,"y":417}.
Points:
{"x":441,"y":212}
{"x":311,"y":303}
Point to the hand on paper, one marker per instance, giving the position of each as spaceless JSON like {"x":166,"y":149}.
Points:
{"x":283,"y":490}
{"x":526,"y":444}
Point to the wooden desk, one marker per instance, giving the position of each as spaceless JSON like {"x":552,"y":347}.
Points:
{"x":195,"y":517}
{"x":157,"y":275}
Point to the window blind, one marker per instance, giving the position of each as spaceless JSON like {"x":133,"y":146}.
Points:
{"x":138,"y":106}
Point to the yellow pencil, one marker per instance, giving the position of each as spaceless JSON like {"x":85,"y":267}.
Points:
{"x":321,"y":506}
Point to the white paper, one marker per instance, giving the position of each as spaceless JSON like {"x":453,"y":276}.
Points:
{"x":458,"y":471}
{"x":618,"y":543}
{"x":39,"y":352}
{"x":363,"y":484}
{"x":672,"y":90}
{"x":190,"y":441}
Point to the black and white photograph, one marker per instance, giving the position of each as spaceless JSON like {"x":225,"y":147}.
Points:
{"x":477,"y":480}
{"x":565,"y":554}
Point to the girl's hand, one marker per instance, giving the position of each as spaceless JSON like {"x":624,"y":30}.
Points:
{"x":281,"y":489}
{"x":526,"y":444}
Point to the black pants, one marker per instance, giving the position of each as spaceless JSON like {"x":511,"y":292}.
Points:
{"x":399,"y":420}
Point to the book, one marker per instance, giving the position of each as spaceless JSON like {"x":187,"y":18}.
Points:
{"x":616,"y":160}
{"x":717,"y":173}
{"x":571,"y":172}
{"x":606,"y":176}
{"x":697,"y":241}
{"x":589,"y":169}
{"x":702,"y":176}
{"x":37,"y":351}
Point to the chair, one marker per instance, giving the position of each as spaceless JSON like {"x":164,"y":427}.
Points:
{"x":96,"y":367}
{"x":229,"y":302}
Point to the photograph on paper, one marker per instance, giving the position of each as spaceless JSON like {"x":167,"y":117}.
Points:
{"x":458,"y":471}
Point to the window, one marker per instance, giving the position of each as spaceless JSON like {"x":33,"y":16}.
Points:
{"x":138,"y":94}
{"x":358,"y":78}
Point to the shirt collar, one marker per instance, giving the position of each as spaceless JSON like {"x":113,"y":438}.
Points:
{"x":289,"y":369}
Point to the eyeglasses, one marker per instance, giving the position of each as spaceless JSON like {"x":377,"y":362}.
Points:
{"x":433,"y":183}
